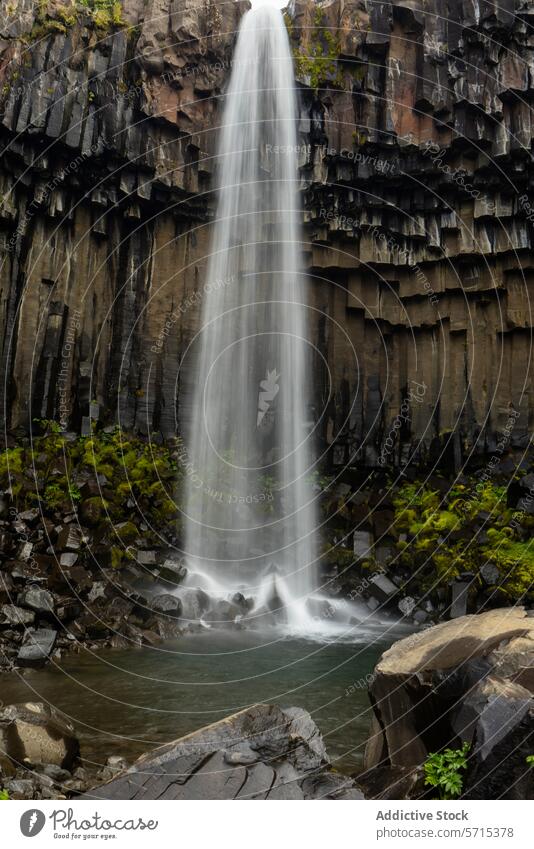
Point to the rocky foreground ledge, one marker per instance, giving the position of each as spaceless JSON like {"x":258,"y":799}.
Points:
{"x":263,"y":752}
{"x":470,"y":680}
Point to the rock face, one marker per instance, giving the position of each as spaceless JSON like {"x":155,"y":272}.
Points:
{"x":32,"y":733}
{"x":263,"y":752}
{"x":414,"y":137}
{"x":465,"y":680}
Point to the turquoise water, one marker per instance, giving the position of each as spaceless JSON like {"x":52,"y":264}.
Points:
{"x":125,"y":702}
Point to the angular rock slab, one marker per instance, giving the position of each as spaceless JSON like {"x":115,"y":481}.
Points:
{"x":420,"y":678}
{"x":262,"y":752}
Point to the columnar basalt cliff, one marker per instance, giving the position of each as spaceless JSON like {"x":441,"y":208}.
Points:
{"x":415,"y":140}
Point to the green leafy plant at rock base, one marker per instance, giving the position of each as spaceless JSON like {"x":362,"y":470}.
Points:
{"x":443,"y":771}
{"x":530,"y":760}
{"x":4,"y":795}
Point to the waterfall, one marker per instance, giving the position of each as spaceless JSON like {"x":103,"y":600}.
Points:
{"x":250,"y":512}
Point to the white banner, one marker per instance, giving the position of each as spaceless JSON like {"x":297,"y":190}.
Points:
{"x":313,"y":825}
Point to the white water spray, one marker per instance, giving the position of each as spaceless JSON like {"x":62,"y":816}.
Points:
{"x":251,"y":517}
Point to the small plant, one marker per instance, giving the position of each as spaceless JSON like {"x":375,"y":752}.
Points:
{"x":4,"y":795}
{"x":443,"y":771}
{"x":530,"y":761}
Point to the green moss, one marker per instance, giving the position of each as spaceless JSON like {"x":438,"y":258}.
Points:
{"x":465,"y":530}
{"x":104,"y":14}
{"x":320,"y":63}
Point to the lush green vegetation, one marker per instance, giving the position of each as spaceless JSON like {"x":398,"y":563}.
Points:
{"x":318,"y":62}
{"x":50,"y":470}
{"x":4,"y":795}
{"x":444,"y":771}
{"x":104,"y":15}
{"x":441,"y":537}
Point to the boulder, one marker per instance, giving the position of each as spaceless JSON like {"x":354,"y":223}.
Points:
{"x":10,"y":614}
{"x":173,"y":571}
{"x":168,"y":604}
{"x":37,"y":647}
{"x":497,"y":718}
{"x":263,"y":752}
{"x":420,"y":679}
{"x":37,"y":599}
{"x":222,"y":612}
{"x":35,"y":733}
{"x":69,"y":539}
{"x":194,"y":604}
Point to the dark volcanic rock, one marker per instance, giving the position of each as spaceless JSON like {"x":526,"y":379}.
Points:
{"x":458,"y":682}
{"x":263,"y":752}
{"x":37,"y":647}
{"x":168,"y":604}
{"x":37,"y":599}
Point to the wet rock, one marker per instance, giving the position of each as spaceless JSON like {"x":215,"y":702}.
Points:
{"x":260,"y":753}
{"x":68,"y":559}
{"x":497,"y":718}
{"x":37,"y":647}
{"x":69,"y":538}
{"x":460,"y":591}
{"x":489,"y":573}
{"x":35,"y":733}
{"x":168,"y":604}
{"x":10,"y":614}
{"x":173,"y":571}
{"x":147,"y":558}
{"x":407,"y":605}
{"x":39,"y":600}
{"x":194,"y":604}
{"x":362,"y":544}
{"x":381,"y":587}
{"x":222,"y":612}
{"x":393,"y":783}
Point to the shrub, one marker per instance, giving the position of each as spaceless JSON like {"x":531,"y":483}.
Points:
{"x":443,"y":771}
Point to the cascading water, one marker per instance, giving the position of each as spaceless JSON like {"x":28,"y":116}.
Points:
{"x":250,"y":510}
{"x":250,"y":507}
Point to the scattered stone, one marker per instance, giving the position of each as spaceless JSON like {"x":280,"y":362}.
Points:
{"x":460,"y":590}
{"x":381,"y":587}
{"x":10,"y":614}
{"x":407,"y":605}
{"x":69,"y":539}
{"x":37,"y":647}
{"x":35,"y":733}
{"x":362,"y":544}
{"x":168,"y":604}
{"x":147,"y":558}
{"x":37,"y":599}
{"x":490,"y":573}
{"x":173,"y":571}
{"x":68,"y":559}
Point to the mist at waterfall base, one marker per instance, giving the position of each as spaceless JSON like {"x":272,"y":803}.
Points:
{"x":251,"y":513}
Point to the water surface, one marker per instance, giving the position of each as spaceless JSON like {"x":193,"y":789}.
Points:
{"x":125,"y":702}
